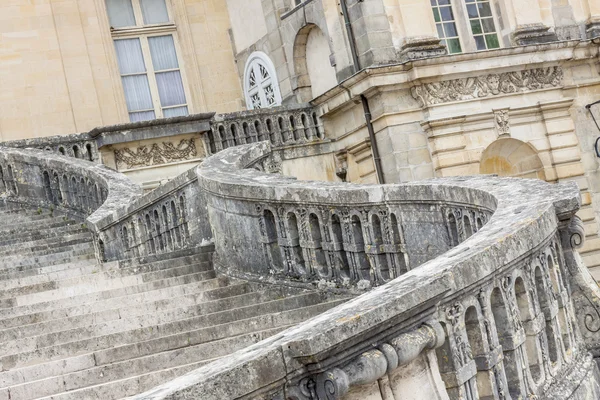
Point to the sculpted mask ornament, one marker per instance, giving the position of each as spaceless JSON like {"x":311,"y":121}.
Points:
{"x":487,"y":85}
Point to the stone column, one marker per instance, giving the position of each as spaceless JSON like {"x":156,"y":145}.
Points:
{"x":421,"y":38}
{"x":530,"y":27}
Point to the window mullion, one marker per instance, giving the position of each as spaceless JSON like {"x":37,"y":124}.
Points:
{"x":137,"y":11}
{"x":261,"y":89}
{"x":151,"y":76}
{"x":464,"y":30}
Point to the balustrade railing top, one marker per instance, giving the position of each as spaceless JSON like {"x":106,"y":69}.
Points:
{"x":491,"y":316}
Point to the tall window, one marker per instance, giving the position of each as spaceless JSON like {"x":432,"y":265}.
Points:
{"x":446,"y":25}
{"x":465,"y":25}
{"x":260,"y":82}
{"x":144,"y":38}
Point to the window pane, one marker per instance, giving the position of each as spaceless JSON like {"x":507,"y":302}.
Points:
{"x":170,"y":88}
{"x":480,"y":42}
{"x":137,"y":92}
{"x":436,"y":15}
{"x":120,"y":13}
{"x":129,"y":56}
{"x":154,"y":11}
{"x":443,"y":2}
{"x":141,"y":116}
{"x":454,"y":46}
{"x":175,"y":112}
{"x":162,"y":49}
{"x":472,"y":11}
{"x":492,"y":41}
{"x":475,"y":26}
{"x":450,"y":29}
{"x":488,"y":25}
{"x":484,"y":9}
{"x":440,"y":30}
{"x":447,"y":14}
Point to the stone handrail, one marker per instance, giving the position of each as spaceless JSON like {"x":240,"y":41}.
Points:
{"x":171,"y":217}
{"x":79,"y":145}
{"x":77,"y":188}
{"x":282,"y":126}
{"x":492,"y":317}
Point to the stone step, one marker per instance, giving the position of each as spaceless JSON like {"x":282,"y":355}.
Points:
{"x":45,"y":245}
{"x":125,"y":277}
{"x":62,"y":257}
{"x":147,"y":340}
{"x":43,"y":273}
{"x":153,"y":357}
{"x":180,"y":307}
{"x":128,"y":295}
{"x":130,"y":328}
{"x":25,"y":254}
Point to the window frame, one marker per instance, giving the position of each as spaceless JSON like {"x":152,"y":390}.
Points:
{"x":143,"y":32}
{"x":463,"y":26}
{"x":259,"y":56}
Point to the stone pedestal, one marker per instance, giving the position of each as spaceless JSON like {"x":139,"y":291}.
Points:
{"x":416,"y":48}
{"x":532,"y":34}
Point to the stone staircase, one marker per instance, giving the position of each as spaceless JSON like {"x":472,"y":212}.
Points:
{"x":71,"y":328}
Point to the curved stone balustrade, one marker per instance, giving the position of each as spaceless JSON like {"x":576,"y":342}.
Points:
{"x":79,"y":145}
{"x":282,"y":126}
{"x":490,"y":318}
{"x":77,"y":188}
{"x":169,"y":218}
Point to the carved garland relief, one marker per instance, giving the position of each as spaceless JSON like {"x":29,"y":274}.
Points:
{"x":156,"y":154}
{"x":487,"y":85}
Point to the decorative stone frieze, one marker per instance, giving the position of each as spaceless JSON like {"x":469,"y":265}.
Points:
{"x":156,"y":154}
{"x":463,"y":89}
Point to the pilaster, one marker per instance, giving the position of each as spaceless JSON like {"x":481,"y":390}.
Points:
{"x":530,"y":26}
{"x":421,"y":40}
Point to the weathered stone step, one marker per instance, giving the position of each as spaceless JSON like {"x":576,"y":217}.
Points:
{"x":131,"y":328}
{"x":127,"y":295}
{"x":25,"y":228}
{"x":20,"y":258}
{"x":169,"y":309}
{"x":95,"y":277}
{"x":66,"y":268}
{"x":47,"y":259}
{"x":204,"y":344}
{"x":46,"y":246}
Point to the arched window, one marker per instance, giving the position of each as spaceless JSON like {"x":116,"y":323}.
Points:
{"x":260,"y":82}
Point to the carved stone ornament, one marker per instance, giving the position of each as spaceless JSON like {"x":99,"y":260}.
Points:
{"x":576,"y":232}
{"x":156,"y":154}
{"x":487,"y":85}
{"x":501,"y":118}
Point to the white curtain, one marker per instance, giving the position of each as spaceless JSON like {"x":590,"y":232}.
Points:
{"x":141,"y":116}
{"x":154,"y":11}
{"x":136,"y":87}
{"x":120,"y":13}
{"x":137,"y":92}
{"x":170,"y":88}
{"x":129,"y":56}
{"x":162,"y":49}
{"x":170,"y":85}
{"x":175,"y":112}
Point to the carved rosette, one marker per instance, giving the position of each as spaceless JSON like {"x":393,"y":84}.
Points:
{"x":487,"y":85}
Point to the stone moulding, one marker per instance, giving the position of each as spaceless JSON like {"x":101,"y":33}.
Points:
{"x":523,"y":260}
{"x":433,"y":93}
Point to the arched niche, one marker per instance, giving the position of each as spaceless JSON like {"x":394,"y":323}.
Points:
{"x":512,"y":157}
{"x":314,"y":73}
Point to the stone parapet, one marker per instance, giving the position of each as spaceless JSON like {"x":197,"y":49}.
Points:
{"x":281,"y":126}
{"x":491,"y":316}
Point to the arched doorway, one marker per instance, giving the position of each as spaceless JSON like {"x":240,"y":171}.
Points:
{"x":314,"y":72}
{"x":512,"y":157}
